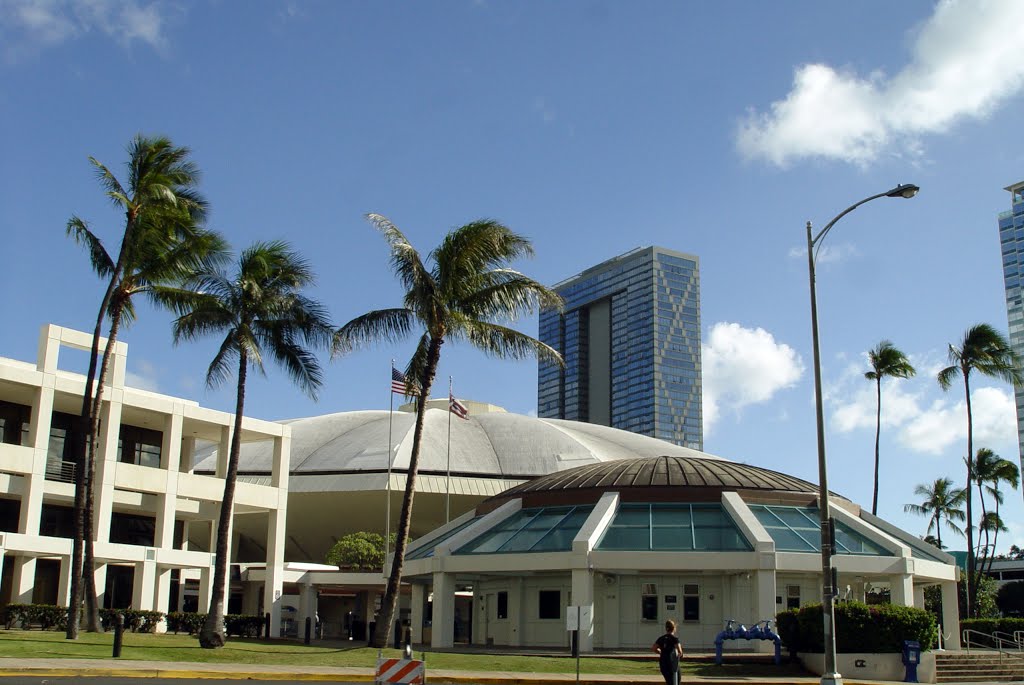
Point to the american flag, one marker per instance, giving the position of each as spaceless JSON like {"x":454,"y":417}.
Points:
{"x":457,"y":408}
{"x":401,"y":384}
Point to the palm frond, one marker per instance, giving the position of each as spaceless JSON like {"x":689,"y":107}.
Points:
{"x":222,"y":366}
{"x":101,"y":262}
{"x":114,"y":191}
{"x":507,"y":294}
{"x":405,"y":260}
{"x":503,"y":342}
{"x":947,"y":375}
{"x":382,"y":324}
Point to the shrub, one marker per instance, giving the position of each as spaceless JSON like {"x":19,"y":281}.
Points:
{"x":1010,"y":598}
{"x":185,"y":621}
{"x":46,"y":616}
{"x":860,"y":628}
{"x":135,"y":620}
{"x":990,"y":626}
{"x":242,"y":625}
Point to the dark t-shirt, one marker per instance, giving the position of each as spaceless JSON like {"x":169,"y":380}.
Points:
{"x":668,"y":656}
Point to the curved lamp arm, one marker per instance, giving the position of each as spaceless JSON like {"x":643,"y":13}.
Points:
{"x":904,"y":190}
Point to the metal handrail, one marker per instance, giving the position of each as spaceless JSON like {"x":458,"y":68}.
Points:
{"x":1013,"y":639}
{"x":989,"y":638}
{"x":1018,"y":635}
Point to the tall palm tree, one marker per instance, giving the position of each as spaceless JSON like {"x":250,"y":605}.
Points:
{"x":259,"y":310}
{"x":886,"y":361}
{"x":985,"y":350}
{"x":941,"y":499}
{"x":462,"y":296}
{"x":161,"y":191}
{"x":990,"y":471}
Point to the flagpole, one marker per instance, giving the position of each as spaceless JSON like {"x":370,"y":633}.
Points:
{"x":448,"y":468}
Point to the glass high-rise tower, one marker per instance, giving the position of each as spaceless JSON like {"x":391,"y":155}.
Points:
{"x":630,"y":338}
{"x":1011,"y":241}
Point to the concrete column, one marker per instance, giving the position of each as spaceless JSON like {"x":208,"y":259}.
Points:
{"x":205,"y":586}
{"x":307,"y":605}
{"x":274,"y":584}
{"x":516,"y":617}
{"x":188,"y":454}
{"x":170,"y":454}
{"x":950,"y":616}
{"x":250,"y":598}
{"x":163,"y":595}
{"x":419,"y":600}
{"x":100,"y":577}
{"x":39,"y":440}
{"x":902,"y":590}
{"x":583,"y":595}
{"x":23,"y":580}
{"x":144,"y":585}
{"x":223,"y":452}
{"x":919,"y":596}
{"x":766,"y":607}
{"x":106,"y":464}
{"x":64,"y":585}
{"x":443,"y":632}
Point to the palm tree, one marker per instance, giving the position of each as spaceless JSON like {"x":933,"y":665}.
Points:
{"x":985,"y":350}
{"x":941,"y":499}
{"x":161,"y":191}
{"x":886,"y":361}
{"x":259,"y":311}
{"x":990,"y":471}
{"x":460,"y":297}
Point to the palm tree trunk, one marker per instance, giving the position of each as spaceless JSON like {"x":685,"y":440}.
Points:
{"x":212,"y":634}
{"x":81,"y":458}
{"x":938,"y":528}
{"x":92,"y":610}
{"x":969,"y":587}
{"x":878,"y":432}
{"x":390,"y":602}
{"x":995,"y":538}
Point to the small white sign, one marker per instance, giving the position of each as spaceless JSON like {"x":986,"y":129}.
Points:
{"x":579,"y":617}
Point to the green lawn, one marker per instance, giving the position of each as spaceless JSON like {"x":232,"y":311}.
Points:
{"x":182,"y":648}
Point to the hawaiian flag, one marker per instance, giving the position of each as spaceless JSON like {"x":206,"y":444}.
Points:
{"x":401,"y":384}
{"x":457,"y":408}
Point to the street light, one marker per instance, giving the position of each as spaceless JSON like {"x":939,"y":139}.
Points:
{"x":830,"y":676}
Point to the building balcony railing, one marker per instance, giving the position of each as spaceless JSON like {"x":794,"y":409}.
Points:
{"x":61,"y":471}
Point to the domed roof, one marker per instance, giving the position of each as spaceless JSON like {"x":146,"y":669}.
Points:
{"x":494,"y":444}
{"x":644,"y":476}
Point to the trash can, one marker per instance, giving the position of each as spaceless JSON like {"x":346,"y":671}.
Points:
{"x":911,"y":659}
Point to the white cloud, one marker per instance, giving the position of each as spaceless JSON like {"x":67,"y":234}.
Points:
{"x":34,"y":24}
{"x":144,"y":378}
{"x":944,"y":424}
{"x":827,"y":253}
{"x":965,"y":62}
{"x":860,"y":407}
{"x":744,"y":366}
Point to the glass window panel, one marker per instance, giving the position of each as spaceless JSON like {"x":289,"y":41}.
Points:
{"x":672,"y":538}
{"x":789,"y":541}
{"x":670,"y":516}
{"x":626,"y":538}
{"x":632,"y":516}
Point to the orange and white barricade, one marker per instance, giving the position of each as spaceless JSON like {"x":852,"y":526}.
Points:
{"x":408,"y":671}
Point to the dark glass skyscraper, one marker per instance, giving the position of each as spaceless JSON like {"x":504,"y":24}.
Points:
{"x":630,"y":337}
{"x":1011,"y":241}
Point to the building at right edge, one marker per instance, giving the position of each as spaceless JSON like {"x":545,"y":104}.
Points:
{"x":630,"y":338}
{"x":1011,"y":242}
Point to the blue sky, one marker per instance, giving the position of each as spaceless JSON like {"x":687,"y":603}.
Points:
{"x":716,"y":129}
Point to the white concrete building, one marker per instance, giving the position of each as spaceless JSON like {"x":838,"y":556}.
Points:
{"x":155,"y":517}
{"x":635,"y":542}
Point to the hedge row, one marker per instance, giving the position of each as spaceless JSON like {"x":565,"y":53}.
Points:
{"x":989,"y":626}
{"x":860,"y":628}
{"x":46,"y":616}
{"x":234,"y":624}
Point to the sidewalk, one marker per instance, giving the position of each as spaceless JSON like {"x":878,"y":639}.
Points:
{"x":118,"y":668}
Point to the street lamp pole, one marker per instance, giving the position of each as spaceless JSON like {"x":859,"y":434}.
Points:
{"x":829,"y":591}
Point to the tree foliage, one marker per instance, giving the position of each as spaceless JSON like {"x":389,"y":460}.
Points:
{"x":361,"y":551}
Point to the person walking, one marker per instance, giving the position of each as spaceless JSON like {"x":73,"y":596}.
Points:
{"x":669,"y":650}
